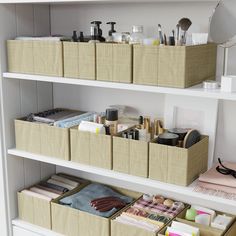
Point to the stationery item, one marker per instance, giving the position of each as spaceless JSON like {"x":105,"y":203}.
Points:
{"x":168,"y":139}
{"x":204,"y":211}
{"x":44,"y":192}
{"x":92,"y":127}
{"x":160,"y":35}
{"x":210,"y":84}
{"x":112,"y":120}
{"x":59,"y":183}
{"x":221,"y":222}
{"x":199,"y":38}
{"x":191,"y":138}
{"x":180,"y":132}
{"x":83,"y":198}
{"x":181,"y":229}
{"x":191,"y":214}
{"x":137,"y":35}
{"x":65,"y":180}
{"x":185,"y":24}
{"x":203,"y":219}
{"x":37,"y":195}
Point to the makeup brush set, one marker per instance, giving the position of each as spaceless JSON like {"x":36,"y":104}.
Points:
{"x":178,"y":36}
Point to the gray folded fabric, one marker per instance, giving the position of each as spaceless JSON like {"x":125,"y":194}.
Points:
{"x":82,"y":199}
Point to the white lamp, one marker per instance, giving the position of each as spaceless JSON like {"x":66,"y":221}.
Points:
{"x":223,"y":32}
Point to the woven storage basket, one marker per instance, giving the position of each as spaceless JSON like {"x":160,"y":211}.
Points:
{"x":176,"y":165}
{"x":35,"y":57}
{"x":42,"y":139}
{"x":38,"y":211}
{"x":146,"y":64}
{"x":118,"y":229}
{"x":130,"y":156}
{"x":79,"y":60}
{"x":185,"y":66}
{"x":91,"y":149}
{"x":207,"y":230}
{"x":73,"y":222}
{"x":114,"y":62}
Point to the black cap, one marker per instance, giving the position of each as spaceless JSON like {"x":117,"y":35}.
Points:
{"x":111,"y":114}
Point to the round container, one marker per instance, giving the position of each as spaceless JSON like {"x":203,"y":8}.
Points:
{"x":181,"y":132}
{"x":168,"y":139}
{"x":137,"y":35}
{"x":112,"y":120}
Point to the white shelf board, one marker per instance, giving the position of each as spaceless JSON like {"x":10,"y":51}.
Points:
{"x":181,"y":193}
{"x":195,"y":91}
{"x":98,"y":1}
{"x":33,"y":228}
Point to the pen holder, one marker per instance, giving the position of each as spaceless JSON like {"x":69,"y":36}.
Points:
{"x":130,"y":156}
{"x":79,"y":60}
{"x":114,"y":62}
{"x":35,"y":57}
{"x":73,"y":222}
{"x":177,"y":165}
{"x":146,"y":64}
{"x":91,"y":149}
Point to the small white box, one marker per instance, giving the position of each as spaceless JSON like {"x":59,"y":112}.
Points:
{"x":228,"y":83}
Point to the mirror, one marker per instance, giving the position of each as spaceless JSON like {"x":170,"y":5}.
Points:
{"x":223,"y":23}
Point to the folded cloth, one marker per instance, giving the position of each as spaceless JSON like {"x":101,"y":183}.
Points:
{"x":212,"y":176}
{"x":48,"y":189}
{"x":44,"y":192}
{"x":65,"y":180}
{"x":59,"y":183}
{"x":74,"y":178}
{"x":54,"y":186}
{"x":124,"y":219}
{"x":37,"y":195}
{"x":159,"y":208}
{"x":82,"y":199}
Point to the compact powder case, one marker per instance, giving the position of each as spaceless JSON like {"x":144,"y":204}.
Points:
{"x":168,"y":139}
{"x":181,"y":132}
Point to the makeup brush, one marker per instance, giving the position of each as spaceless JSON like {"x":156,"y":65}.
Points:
{"x":160,"y":35}
{"x":185,"y":24}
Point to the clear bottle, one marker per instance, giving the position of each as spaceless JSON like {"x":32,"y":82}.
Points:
{"x":137,"y":35}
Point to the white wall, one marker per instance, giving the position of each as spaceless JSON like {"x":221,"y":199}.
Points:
{"x":66,"y":18}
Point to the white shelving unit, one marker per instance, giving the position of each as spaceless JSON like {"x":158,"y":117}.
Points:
{"x":195,"y":91}
{"x":22,"y":94}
